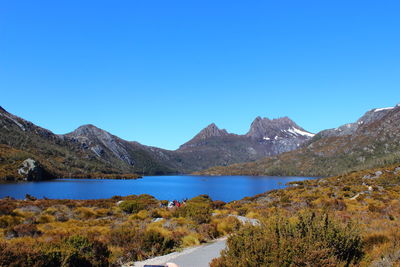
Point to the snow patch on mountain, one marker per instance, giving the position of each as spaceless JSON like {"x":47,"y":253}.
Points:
{"x":380,"y":109}
{"x":296,"y":131}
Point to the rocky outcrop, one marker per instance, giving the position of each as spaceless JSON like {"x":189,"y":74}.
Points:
{"x":31,"y":170}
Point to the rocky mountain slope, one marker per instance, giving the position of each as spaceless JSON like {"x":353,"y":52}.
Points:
{"x":59,"y":156}
{"x":374,"y":140}
{"x":89,"y":149}
{"x":122,"y":154}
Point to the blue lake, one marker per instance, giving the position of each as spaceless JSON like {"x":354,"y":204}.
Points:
{"x":226,"y":188}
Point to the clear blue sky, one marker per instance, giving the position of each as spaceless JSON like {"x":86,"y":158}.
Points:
{"x":157,"y":72}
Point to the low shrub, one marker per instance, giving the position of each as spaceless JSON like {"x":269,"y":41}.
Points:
{"x":308,"y":240}
{"x":138,"y":203}
{"x":138,"y":243}
{"x":226,"y":225}
{"x":141,"y":215}
{"x":190,"y":240}
{"x":84,"y":213}
{"x":8,"y":221}
{"x":374,"y":239}
{"x":208,"y":231}
{"x":74,"y":251}
{"x":21,"y":230}
{"x":218,"y":204}
{"x":199,"y":209}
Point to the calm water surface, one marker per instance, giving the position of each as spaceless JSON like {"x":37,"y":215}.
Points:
{"x":226,"y":188}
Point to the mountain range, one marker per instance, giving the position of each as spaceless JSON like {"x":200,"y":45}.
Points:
{"x":90,"y":151}
{"x":371,"y":141}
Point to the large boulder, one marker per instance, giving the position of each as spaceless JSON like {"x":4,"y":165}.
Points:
{"x":32,"y":170}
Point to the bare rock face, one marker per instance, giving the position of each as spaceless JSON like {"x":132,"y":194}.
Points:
{"x":31,"y":170}
{"x":124,"y":155}
{"x":98,"y":140}
{"x":280,"y":135}
{"x":266,"y":129}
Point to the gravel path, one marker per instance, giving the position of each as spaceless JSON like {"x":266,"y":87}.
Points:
{"x":199,"y":256}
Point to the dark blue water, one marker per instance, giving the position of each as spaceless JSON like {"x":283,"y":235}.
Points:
{"x":226,"y":188}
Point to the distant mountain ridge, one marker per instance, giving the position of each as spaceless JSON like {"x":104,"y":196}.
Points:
{"x":270,"y":147}
{"x":371,"y":141}
{"x":89,"y":148}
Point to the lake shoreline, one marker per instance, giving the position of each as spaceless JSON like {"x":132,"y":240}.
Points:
{"x":225,"y":188}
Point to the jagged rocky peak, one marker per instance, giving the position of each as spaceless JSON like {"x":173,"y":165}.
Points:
{"x":91,"y":132}
{"x":264,"y":128}
{"x":211,"y":130}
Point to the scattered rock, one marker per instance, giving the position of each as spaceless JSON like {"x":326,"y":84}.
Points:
{"x":10,"y":234}
{"x":376,"y":175}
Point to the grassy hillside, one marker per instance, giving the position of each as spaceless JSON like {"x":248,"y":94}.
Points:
{"x":311,"y":162}
{"x":352,"y":219}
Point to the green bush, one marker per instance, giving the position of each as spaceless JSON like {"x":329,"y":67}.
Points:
{"x":139,"y":203}
{"x":309,"y":240}
{"x":72,"y":252}
{"x":79,"y":251}
{"x":138,"y":243}
{"x":199,"y":209}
